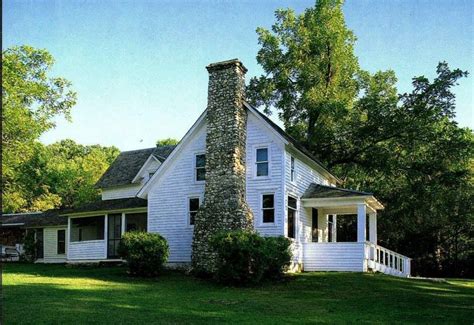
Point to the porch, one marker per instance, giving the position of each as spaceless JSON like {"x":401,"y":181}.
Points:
{"x":94,"y":232}
{"x":325,"y":253}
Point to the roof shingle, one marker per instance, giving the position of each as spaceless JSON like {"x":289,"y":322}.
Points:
{"x":128,"y":163}
{"x":318,"y":191}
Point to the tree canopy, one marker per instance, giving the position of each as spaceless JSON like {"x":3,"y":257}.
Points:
{"x":167,"y":142}
{"x":34,"y":176}
{"x":406,"y":148}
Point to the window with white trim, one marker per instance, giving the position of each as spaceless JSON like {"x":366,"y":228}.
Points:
{"x":200,"y":168}
{"x":292,"y":169}
{"x":261,"y":160}
{"x":193,"y":207}
{"x":268,"y":208}
{"x":292,"y":208}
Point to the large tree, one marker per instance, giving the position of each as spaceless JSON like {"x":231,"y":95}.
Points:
{"x":406,"y":148}
{"x":36,"y":177}
{"x":31,"y":101}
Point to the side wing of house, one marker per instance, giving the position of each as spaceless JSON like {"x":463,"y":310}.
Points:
{"x":300,"y":172}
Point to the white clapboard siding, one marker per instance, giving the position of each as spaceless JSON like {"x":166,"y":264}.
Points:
{"x":120,"y":192}
{"x":50,"y":242}
{"x":258,"y":135}
{"x":168,"y":200}
{"x":334,"y":257}
{"x":87,"y":250}
{"x":304,"y":176}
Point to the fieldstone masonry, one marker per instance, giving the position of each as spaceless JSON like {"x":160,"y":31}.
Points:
{"x":224,"y":206}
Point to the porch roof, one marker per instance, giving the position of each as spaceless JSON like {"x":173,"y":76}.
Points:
{"x":33,"y":219}
{"x":316,"y":191}
{"x":338,"y":200}
{"x":105,"y":206}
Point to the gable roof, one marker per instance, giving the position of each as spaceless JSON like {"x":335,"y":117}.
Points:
{"x":128,"y":163}
{"x":33,"y":219}
{"x":291,"y":140}
{"x":318,"y":191}
{"x":272,"y":126}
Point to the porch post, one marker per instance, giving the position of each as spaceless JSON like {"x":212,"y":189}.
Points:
{"x":122,"y":231}
{"x":334,"y":228}
{"x":361,"y":222}
{"x":373,"y":227}
{"x":322,"y":226}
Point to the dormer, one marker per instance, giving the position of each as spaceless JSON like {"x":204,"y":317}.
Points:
{"x":130,"y":171}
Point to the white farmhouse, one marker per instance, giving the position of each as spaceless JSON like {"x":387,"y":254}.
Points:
{"x":287,"y":191}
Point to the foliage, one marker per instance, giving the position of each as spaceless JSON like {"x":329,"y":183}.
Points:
{"x":146,"y":253}
{"x":30,"y":102}
{"x":167,"y":142}
{"x":105,"y":295}
{"x":405,"y":148}
{"x":29,"y":246}
{"x":36,"y":177}
{"x":245,"y":257}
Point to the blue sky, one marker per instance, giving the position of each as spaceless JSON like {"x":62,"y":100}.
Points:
{"x":138,"y":66}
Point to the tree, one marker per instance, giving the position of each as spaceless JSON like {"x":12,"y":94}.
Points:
{"x":31,"y":101}
{"x":167,"y":142}
{"x":405,"y":148}
{"x":310,"y":71}
{"x":36,"y":177}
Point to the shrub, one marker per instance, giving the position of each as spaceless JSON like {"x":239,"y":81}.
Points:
{"x":29,"y":247}
{"x":277,"y":256}
{"x":146,"y":253}
{"x":245,"y":257}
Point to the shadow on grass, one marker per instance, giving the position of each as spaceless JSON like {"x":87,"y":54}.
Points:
{"x":108,"y":295}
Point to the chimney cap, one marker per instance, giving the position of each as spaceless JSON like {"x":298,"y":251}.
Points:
{"x":226,"y":65}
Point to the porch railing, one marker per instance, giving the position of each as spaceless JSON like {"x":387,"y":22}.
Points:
{"x":386,"y":261}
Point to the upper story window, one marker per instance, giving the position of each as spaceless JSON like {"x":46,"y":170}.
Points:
{"x":200,"y":168}
{"x":268,"y":208}
{"x":193,"y":208}
{"x":292,"y":169}
{"x":262,"y":162}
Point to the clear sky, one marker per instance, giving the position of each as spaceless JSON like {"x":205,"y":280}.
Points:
{"x":139,"y":66}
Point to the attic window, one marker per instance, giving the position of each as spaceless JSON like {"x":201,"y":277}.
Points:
{"x":150,"y":174}
{"x":200,"y":168}
{"x":262,"y":162}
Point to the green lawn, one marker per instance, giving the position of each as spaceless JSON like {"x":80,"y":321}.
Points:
{"x":36,"y":294}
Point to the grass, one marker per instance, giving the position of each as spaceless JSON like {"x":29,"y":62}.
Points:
{"x":38,"y":294}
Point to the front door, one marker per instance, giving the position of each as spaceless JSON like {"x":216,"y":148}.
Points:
{"x":114,"y":234}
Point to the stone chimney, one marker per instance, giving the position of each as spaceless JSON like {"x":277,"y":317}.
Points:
{"x":224,"y":207}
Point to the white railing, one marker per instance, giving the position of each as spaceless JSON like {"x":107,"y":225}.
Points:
{"x":386,"y":261}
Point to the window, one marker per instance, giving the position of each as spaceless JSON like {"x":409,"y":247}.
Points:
{"x":136,"y":222}
{"x":61,"y":241}
{"x":268,"y":208}
{"x":87,"y":228}
{"x":150,"y":174}
{"x":193,"y":209}
{"x":291,"y":216}
{"x":314,"y":225}
{"x":292,"y":169}
{"x":262,"y":162}
{"x":200,"y":167}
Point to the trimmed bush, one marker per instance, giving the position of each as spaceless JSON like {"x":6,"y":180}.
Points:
{"x":245,"y":257}
{"x":277,"y":254}
{"x":146,"y":253}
